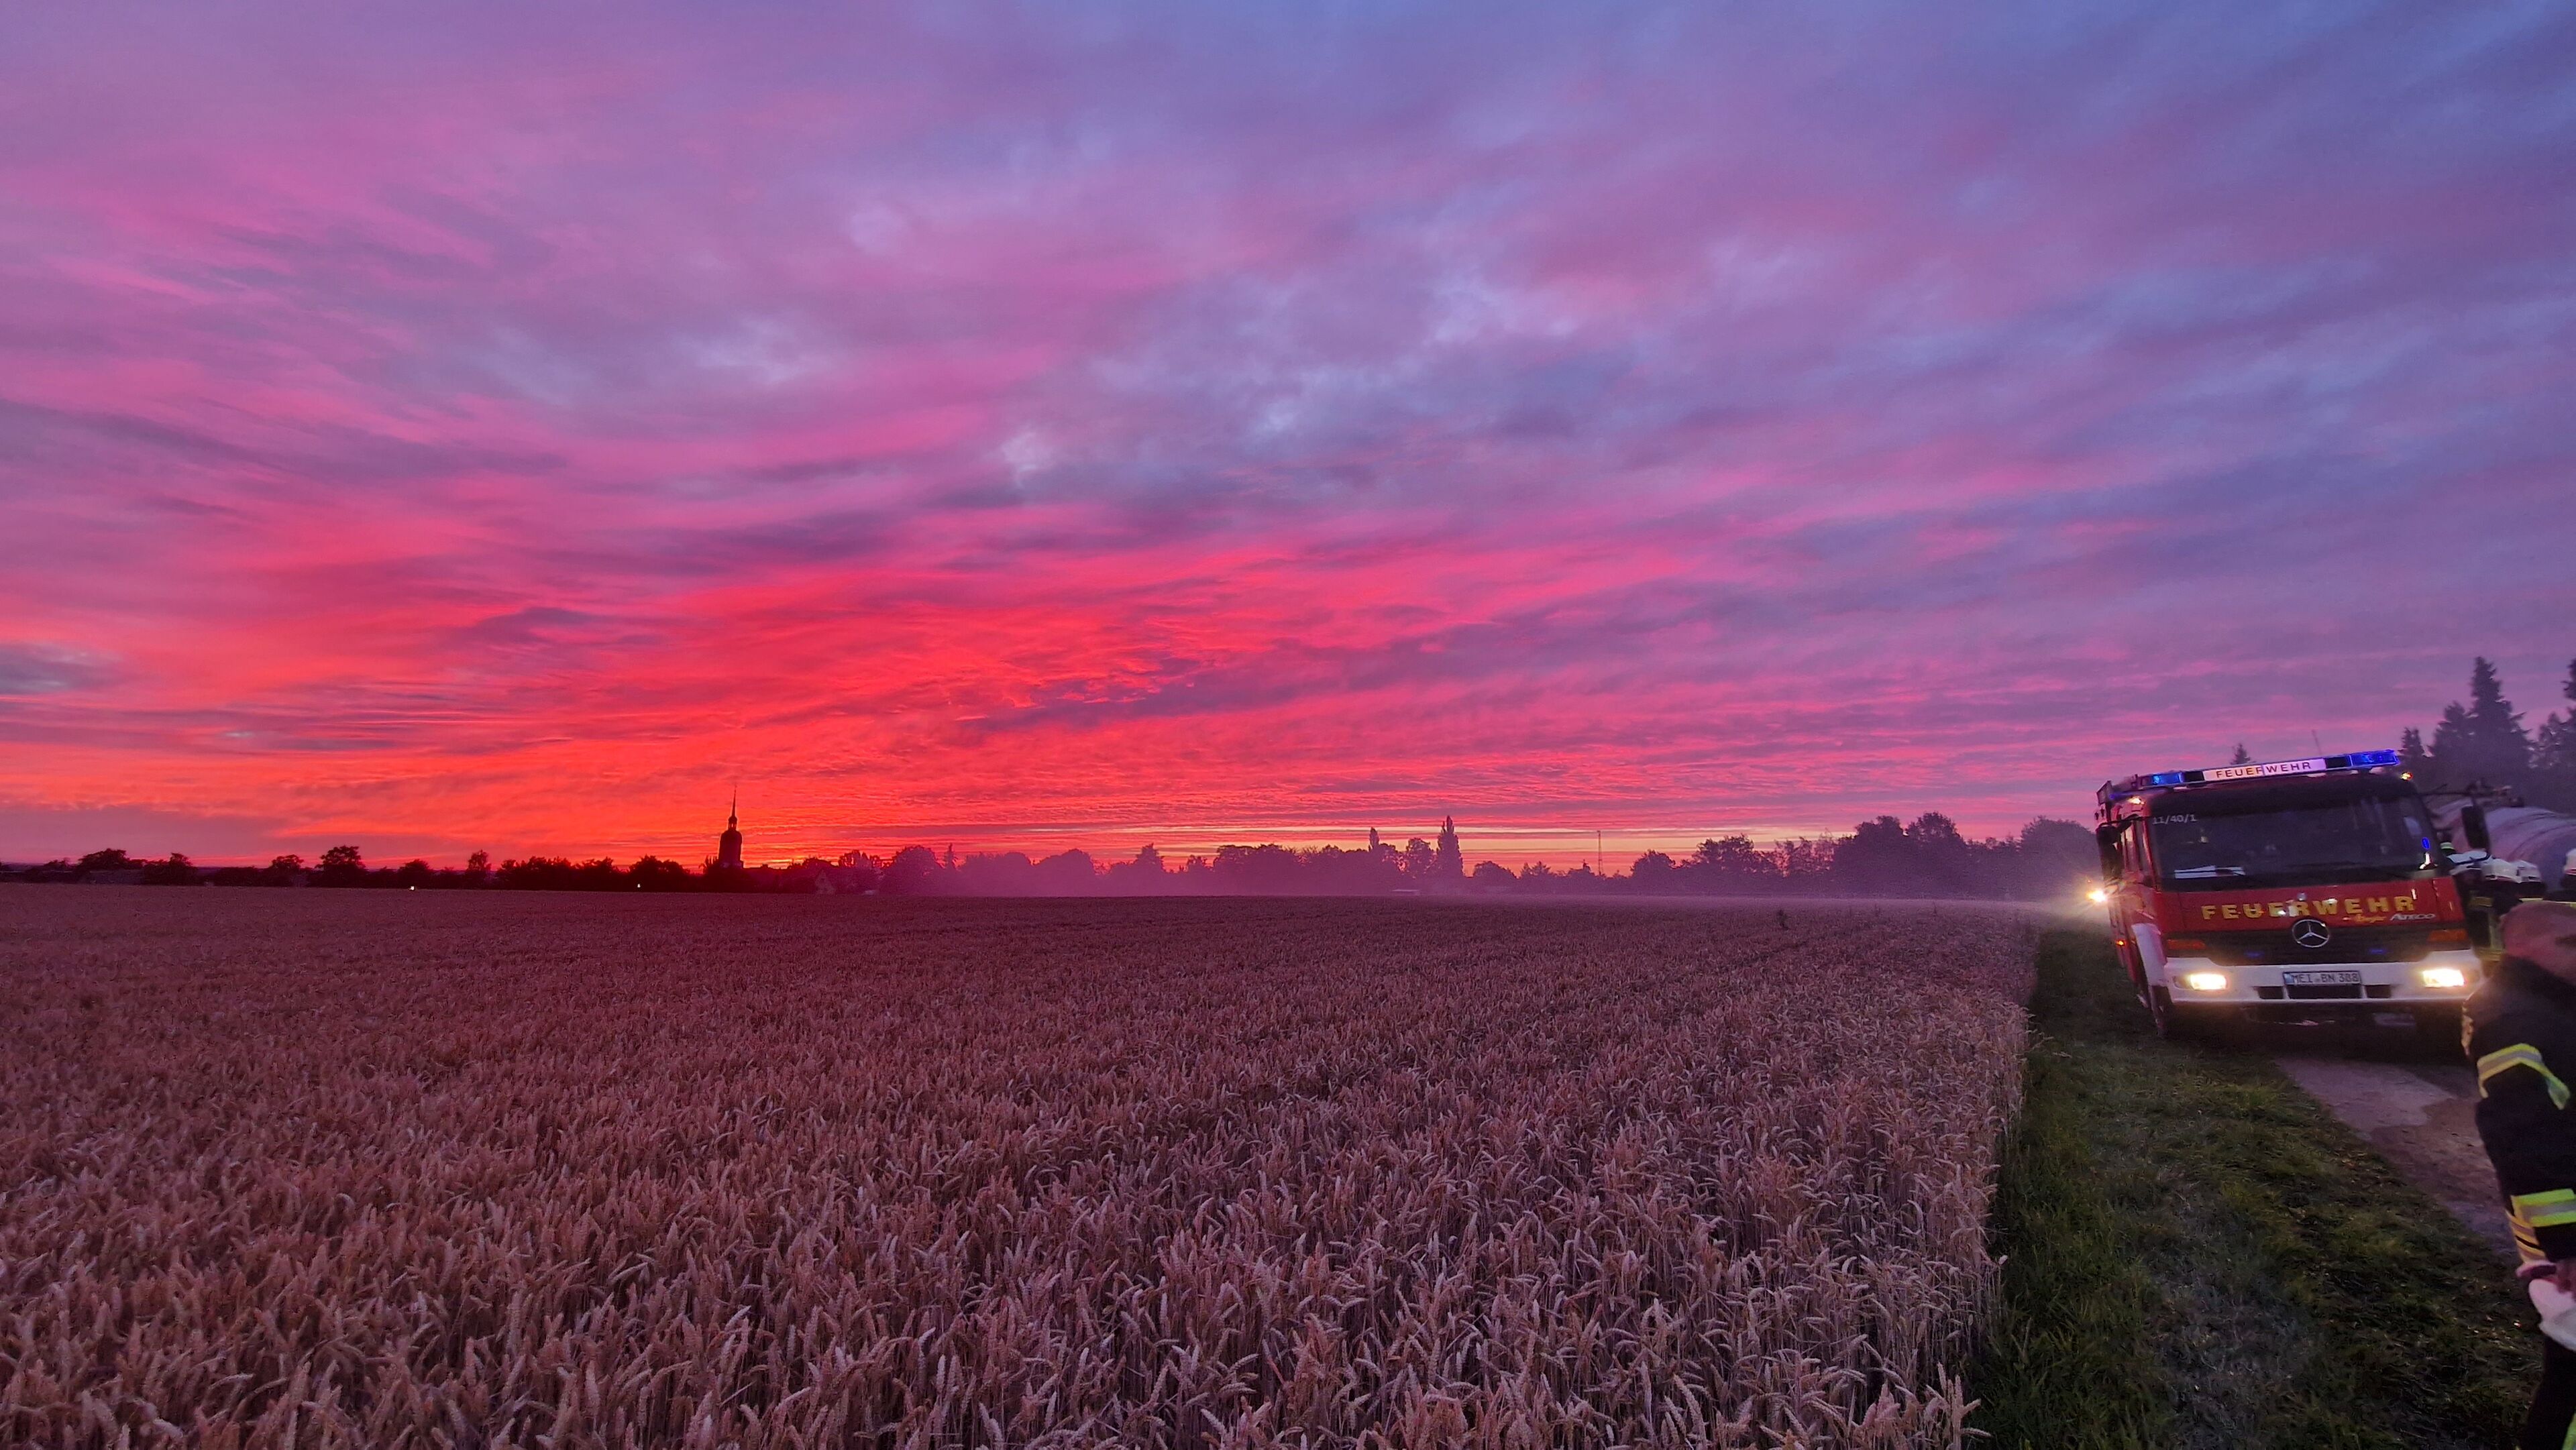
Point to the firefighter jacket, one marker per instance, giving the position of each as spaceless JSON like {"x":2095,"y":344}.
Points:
{"x":2520,"y":1030}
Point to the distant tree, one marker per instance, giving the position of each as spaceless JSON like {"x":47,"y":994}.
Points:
{"x":1944,"y":862}
{"x":914,"y":871}
{"x":2555,"y":740}
{"x":535,"y":873}
{"x":559,"y":873}
{"x":341,"y":866}
{"x":2412,"y":757}
{"x":1494,"y":876}
{"x":2058,"y":859}
{"x":2553,"y":755}
{"x":478,"y":868}
{"x":1418,"y":857}
{"x":1008,"y":873}
{"x":1730,"y":864}
{"x":1067,"y":873}
{"x":1264,"y":870}
{"x":1447,"y":863}
{"x":1654,"y":871}
{"x":2242,"y":755}
{"x":1807,"y":865}
{"x":855,"y":871}
{"x":284,"y":870}
{"x":107,"y":860}
{"x":175,"y":870}
{"x":415,"y":874}
{"x":1878,"y":859}
{"x":1143,"y":875}
{"x":2483,"y":741}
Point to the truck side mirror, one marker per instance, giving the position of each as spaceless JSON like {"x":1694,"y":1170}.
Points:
{"x":2106,"y":840}
{"x":2473,"y":824}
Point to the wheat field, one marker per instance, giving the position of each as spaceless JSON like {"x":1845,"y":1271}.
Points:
{"x":485,"y":1169}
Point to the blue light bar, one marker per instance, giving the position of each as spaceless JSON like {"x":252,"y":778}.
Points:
{"x":2313,"y":765}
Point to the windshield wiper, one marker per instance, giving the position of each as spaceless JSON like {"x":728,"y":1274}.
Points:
{"x":2204,"y":873}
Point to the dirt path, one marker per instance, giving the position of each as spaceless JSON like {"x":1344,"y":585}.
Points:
{"x":2420,"y":1117}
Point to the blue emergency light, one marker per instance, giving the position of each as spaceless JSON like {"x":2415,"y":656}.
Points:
{"x":2357,"y":760}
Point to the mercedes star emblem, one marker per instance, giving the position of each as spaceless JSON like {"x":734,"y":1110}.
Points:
{"x":2311,"y":933}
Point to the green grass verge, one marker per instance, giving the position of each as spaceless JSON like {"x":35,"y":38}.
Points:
{"x":2201,"y":1255}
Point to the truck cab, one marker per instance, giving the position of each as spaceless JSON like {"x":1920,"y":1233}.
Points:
{"x":2304,"y":890}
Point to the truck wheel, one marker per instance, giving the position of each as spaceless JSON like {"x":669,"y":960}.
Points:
{"x":2170,"y":1022}
{"x":2222,"y":1026}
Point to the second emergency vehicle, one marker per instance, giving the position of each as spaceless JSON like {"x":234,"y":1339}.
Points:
{"x":2293,"y":890}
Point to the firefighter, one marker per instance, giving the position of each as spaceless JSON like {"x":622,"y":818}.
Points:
{"x":2521,"y":1032}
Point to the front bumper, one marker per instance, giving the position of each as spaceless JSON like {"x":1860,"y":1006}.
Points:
{"x":2382,"y":985}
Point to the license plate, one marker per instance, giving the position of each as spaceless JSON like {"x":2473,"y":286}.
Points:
{"x":2321,"y":979}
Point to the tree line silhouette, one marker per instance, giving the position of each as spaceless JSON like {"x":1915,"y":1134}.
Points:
{"x":2480,"y":742}
{"x":2483,"y":743}
{"x":1883,"y":857}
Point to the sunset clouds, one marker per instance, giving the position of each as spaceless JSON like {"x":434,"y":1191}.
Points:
{"x":511,"y":427}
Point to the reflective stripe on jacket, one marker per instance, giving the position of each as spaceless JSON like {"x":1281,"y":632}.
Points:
{"x":2520,"y":1030}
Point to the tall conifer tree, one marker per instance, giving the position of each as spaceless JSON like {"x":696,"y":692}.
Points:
{"x":1446,"y":862}
{"x":2482,"y":742}
{"x":2553,"y":751}
{"x":2412,"y":757}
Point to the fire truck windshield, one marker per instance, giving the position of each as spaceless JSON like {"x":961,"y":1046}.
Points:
{"x":2204,"y":846}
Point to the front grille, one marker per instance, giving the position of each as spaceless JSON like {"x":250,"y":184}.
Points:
{"x":2323,"y":994}
{"x":2349,"y":944}
{"x":2287,"y":1012}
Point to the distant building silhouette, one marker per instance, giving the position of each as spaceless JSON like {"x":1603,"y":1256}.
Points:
{"x":729,"y":845}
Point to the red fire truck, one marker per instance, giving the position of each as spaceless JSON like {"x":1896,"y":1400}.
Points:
{"x":2298,"y":890}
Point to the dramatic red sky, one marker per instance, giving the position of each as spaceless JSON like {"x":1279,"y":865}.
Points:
{"x":513,"y":426}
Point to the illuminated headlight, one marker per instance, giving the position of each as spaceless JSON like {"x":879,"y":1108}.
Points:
{"x":2450,"y":977}
{"x":2205,"y":981}
{"x":2097,"y":896}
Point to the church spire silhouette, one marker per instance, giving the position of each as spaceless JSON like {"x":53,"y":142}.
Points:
{"x":729,"y":845}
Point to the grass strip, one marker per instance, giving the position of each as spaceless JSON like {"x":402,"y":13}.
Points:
{"x":2199,"y":1254}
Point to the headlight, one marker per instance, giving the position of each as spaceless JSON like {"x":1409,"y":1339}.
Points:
{"x":2097,"y":896}
{"x":2205,"y":981}
{"x":2450,"y":977}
